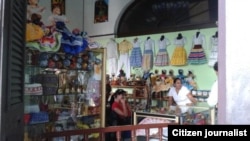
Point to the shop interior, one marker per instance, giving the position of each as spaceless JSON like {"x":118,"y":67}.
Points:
{"x":71,"y":76}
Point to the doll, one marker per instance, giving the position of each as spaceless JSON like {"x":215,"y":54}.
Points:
{"x":157,"y":88}
{"x":57,"y":15}
{"x":181,"y":75}
{"x":191,"y":84}
{"x":34,"y":9}
{"x":170,"y":78}
{"x":163,"y":74}
{"x":97,"y":69}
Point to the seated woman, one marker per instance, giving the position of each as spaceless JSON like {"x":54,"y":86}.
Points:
{"x":121,"y":111}
{"x":181,"y":95}
{"x":120,"y":107}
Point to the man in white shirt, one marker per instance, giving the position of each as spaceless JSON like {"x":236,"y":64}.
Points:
{"x":212,"y":100}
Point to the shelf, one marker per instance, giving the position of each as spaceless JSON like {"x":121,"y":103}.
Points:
{"x":164,"y":98}
{"x":34,"y":123}
{"x":91,"y":115}
{"x":140,"y":97}
{"x":135,"y":93}
{"x":64,"y":94}
{"x":118,"y":86}
{"x":63,"y":85}
{"x":200,"y":96}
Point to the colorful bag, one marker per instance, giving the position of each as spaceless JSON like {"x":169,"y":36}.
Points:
{"x":49,"y":83}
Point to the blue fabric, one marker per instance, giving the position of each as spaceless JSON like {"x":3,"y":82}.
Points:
{"x":71,"y":43}
{"x":136,"y":57}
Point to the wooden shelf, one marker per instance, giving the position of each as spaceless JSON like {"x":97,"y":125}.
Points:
{"x":120,"y":86}
{"x":137,"y":93}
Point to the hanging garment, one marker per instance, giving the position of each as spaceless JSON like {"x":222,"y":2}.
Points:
{"x":162,"y":58}
{"x":197,"y":55}
{"x":214,"y":51}
{"x":112,"y":56}
{"x":147,"y":59}
{"x":179,"y":57}
{"x":123,"y":62}
{"x":136,"y":54}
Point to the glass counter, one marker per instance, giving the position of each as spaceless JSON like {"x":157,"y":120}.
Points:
{"x":200,"y":114}
{"x":194,"y":115}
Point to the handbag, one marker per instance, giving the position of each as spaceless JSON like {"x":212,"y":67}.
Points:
{"x":49,"y":81}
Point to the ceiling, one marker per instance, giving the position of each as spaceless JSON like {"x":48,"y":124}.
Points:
{"x":161,"y":16}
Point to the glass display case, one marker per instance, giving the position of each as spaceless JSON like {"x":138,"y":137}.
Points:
{"x":183,"y":115}
{"x":64,"y":92}
{"x":196,"y":115}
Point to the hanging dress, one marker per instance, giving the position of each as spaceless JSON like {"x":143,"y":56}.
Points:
{"x":136,"y":54}
{"x":214,"y":51}
{"x":179,"y":57}
{"x":124,"y":48}
{"x":147,"y":61}
{"x":162,"y":58}
{"x":197,"y":55}
{"x":112,"y":56}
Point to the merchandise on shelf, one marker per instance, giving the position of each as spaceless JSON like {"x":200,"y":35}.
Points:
{"x":64,"y":91}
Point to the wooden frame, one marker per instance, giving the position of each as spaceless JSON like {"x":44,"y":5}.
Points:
{"x":60,"y":3}
{"x":117,"y":129}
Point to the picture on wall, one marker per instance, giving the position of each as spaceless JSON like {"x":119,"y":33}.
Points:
{"x":101,"y":11}
{"x":60,"y":4}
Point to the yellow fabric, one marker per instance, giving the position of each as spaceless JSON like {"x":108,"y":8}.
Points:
{"x":169,"y":80}
{"x":33,"y":32}
{"x":125,"y":46}
{"x":146,"y":62}
{"x":179,"y":56}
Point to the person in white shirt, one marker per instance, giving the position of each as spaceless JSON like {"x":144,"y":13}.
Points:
{"x":212,"y":100}
{"x":181,"y":95}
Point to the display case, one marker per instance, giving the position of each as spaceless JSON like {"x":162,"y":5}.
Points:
{"x":200,"y":95}
{"x":196,"y":115}
{"x":64,"y":92}
{"x":182,"y":115}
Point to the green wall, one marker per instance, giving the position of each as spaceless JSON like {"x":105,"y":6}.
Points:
{"x":205,"y":75}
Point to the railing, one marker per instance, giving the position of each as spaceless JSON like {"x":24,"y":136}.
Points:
{"x":111,"y":129}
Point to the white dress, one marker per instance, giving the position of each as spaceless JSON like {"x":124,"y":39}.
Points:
{"x":214,"y":51}
{"x":148,"y":54}
{"x":112,"y":56}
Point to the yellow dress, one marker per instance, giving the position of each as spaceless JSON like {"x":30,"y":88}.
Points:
{"x":179,"y":56}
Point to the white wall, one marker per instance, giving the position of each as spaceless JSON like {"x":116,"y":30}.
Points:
{"x":74,"y":12}
{"x":237,"y":66}
{"x":115,"y":8}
